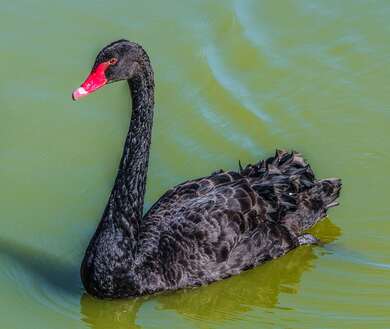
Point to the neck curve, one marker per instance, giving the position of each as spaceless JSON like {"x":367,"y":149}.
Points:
{"x":125,"y":206}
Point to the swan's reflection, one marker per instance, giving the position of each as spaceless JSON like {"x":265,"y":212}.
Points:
{"x":222,"y":300}
{"x":103,"y":314}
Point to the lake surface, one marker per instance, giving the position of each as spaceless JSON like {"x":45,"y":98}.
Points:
{"x":235,"y":80}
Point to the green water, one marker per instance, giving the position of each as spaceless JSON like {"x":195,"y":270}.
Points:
{"x":235,"y":80}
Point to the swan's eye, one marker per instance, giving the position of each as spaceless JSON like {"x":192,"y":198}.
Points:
{"x":113,"y":61}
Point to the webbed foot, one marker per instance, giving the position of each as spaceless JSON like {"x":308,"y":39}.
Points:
{"x":308,"y":239}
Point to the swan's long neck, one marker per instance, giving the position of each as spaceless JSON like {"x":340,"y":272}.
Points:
{"x":109,"y":259}
{"x":126,"y":202}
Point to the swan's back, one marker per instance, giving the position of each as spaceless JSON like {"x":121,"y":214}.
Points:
{"x":211,"y":228}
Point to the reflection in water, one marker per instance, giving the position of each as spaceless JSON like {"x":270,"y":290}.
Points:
{"x":222,"y":300}
{"x":103,"y":314}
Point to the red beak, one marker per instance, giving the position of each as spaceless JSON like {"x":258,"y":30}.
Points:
{"x":94,"y":81}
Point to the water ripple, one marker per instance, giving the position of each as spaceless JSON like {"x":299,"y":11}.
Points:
{"x":42,"y":277}
{"x":256,"y":35}
{"x":235,"y":87}
{"x":229,"y":130}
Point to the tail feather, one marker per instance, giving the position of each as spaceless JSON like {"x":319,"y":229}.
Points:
{"x":287,"y":164}
{"x":330,"y":189}
{"x":300,"y":199}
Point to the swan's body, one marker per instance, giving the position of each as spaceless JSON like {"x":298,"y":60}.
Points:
{"x":199,"y":231}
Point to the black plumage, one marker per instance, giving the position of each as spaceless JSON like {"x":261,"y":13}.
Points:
{"x":202,"y":230}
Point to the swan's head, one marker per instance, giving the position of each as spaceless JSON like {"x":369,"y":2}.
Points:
{"x":120,"y":60}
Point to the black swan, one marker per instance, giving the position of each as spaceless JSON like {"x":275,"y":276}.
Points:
{"x":202,"y":230}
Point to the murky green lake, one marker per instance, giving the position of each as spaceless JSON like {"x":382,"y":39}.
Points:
{"x":235,"y":80}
